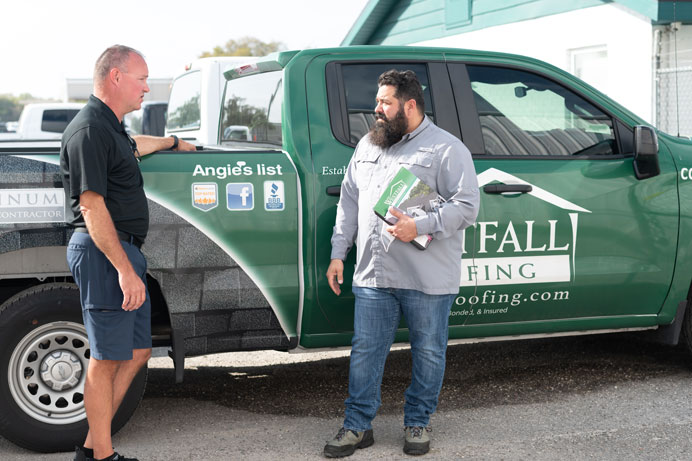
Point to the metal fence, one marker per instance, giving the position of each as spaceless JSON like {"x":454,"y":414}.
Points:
{"x":674,"y":100}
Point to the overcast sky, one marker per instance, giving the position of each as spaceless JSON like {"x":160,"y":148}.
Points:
{"x":42,"y":42}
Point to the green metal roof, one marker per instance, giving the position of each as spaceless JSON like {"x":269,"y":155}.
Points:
{"x":400,"y":22}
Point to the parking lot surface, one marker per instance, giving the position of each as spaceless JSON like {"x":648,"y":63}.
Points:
{"x":592,"y":397}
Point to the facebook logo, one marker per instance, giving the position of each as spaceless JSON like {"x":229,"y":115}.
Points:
{"x":240,"y":196}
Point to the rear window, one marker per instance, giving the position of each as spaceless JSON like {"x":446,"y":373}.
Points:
{"x":56,"y":120}
{"x":184,"y":105}
{"x":252,"y":109}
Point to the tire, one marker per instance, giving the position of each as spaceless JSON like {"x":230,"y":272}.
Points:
{"x":687,"y":328}
{"x":44,"y":354}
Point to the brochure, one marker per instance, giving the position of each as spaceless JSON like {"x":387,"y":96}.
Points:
{"x":411,"y":196}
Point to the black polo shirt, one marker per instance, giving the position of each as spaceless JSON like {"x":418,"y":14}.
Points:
{"x":97,"y":156}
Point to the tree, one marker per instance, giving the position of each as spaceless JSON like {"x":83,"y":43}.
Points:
{"x":187,"y":114}
{"x":246,"y":46}
{"x":10,"y":108}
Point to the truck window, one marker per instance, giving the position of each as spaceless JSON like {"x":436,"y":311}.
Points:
{"x":150,"y":119}
{"x":522,"y":113}
{"x":56,"y":120}
{"x":184,"y":105}
{"x":360,"y":84}
{"x":252,"y":109}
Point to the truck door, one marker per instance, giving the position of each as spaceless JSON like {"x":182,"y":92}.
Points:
{"x":566,"y":231}
{"x":245,"y":198}
{"x":348,"y":112}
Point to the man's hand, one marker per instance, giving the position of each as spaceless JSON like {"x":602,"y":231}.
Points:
{"x":335,"y":275}
{"x":405,"y":227}
{"x":100,"y":226}
{"x":134,"y":292}
{"x":184,"y":146}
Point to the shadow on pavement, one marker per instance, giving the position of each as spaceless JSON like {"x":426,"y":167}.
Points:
{"x":478,"y":375}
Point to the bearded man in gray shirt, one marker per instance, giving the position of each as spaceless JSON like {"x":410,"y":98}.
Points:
{"x":393,"y":277}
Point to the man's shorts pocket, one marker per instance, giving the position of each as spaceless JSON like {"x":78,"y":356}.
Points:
{"x":96,"y":277}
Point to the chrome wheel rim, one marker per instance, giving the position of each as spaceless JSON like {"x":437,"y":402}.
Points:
{"x":47,"y":370}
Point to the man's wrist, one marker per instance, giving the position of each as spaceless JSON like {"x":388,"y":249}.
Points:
{"x":175,"y":142}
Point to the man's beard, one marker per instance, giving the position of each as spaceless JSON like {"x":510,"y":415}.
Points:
{"x":388,"y":132}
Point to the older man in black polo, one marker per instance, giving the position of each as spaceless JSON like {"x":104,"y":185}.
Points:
{"x":102,"y":180}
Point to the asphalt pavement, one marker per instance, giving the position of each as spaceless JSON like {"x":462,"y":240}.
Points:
{"x":605,"y":397}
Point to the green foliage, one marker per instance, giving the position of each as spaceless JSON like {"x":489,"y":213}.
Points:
{"x":187,"y":115}
{"x":421,"y":190}
{"x":246,"y":46}
{"x":237,"y":112}
{"x":10,"y":107}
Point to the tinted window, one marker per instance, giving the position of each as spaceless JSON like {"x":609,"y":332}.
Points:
{"x":525,"y":114}
{"x":360,"y":83}
{"x":184,"y":105}
{"x":252,"y":109}
{"x":56,"y":120}
{"x":150,"y":119}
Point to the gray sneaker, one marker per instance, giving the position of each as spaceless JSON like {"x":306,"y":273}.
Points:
{"x":346,"y":442}
{"x":417,"y":440}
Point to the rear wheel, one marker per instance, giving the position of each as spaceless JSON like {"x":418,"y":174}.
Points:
{"x":44,"y":354}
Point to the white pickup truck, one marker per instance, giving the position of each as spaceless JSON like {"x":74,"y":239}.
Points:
{"x":44,"y":120}
{"x":194,"y":106}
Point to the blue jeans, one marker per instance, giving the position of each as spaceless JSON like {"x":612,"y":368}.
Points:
{"x":377,"y":315}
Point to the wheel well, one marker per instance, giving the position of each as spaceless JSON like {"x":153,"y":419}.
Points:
{"x":10,"y":287}
{"x":160,"y":318}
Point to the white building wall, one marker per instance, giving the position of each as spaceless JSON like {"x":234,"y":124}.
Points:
{"x":674,"y":78}
{"x":79,"y":89}
{"x":627,"y":73}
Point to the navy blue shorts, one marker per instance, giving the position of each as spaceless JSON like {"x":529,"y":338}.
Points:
{"x":113,"y":332}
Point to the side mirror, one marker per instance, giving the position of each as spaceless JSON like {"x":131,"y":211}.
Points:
{"x":645,"y":152}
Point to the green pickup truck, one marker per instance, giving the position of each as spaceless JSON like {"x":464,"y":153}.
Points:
{"x":582,"y":226}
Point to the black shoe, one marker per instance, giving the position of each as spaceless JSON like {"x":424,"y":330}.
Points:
{"x":117,"y":457}
{"x":346,"y":442}
{"x":83,"y":454}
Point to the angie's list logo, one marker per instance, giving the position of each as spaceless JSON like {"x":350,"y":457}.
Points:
{"x":537,"y":249}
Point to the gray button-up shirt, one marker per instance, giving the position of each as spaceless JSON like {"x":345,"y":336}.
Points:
{"x":444,"y":163}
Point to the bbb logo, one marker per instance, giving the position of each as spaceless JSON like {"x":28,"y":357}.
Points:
{"x":240,"y":196}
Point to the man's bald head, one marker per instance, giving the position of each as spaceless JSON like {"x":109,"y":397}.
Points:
{"x":114,"y":56}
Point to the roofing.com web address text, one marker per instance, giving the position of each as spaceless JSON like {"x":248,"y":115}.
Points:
{"x":502,"y":301}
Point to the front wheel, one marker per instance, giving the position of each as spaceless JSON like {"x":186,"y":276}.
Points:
{"x":44,"y":354}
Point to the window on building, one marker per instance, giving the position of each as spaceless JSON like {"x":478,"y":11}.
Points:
{"x":591,"y":65}
{"x":522,"y":113}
